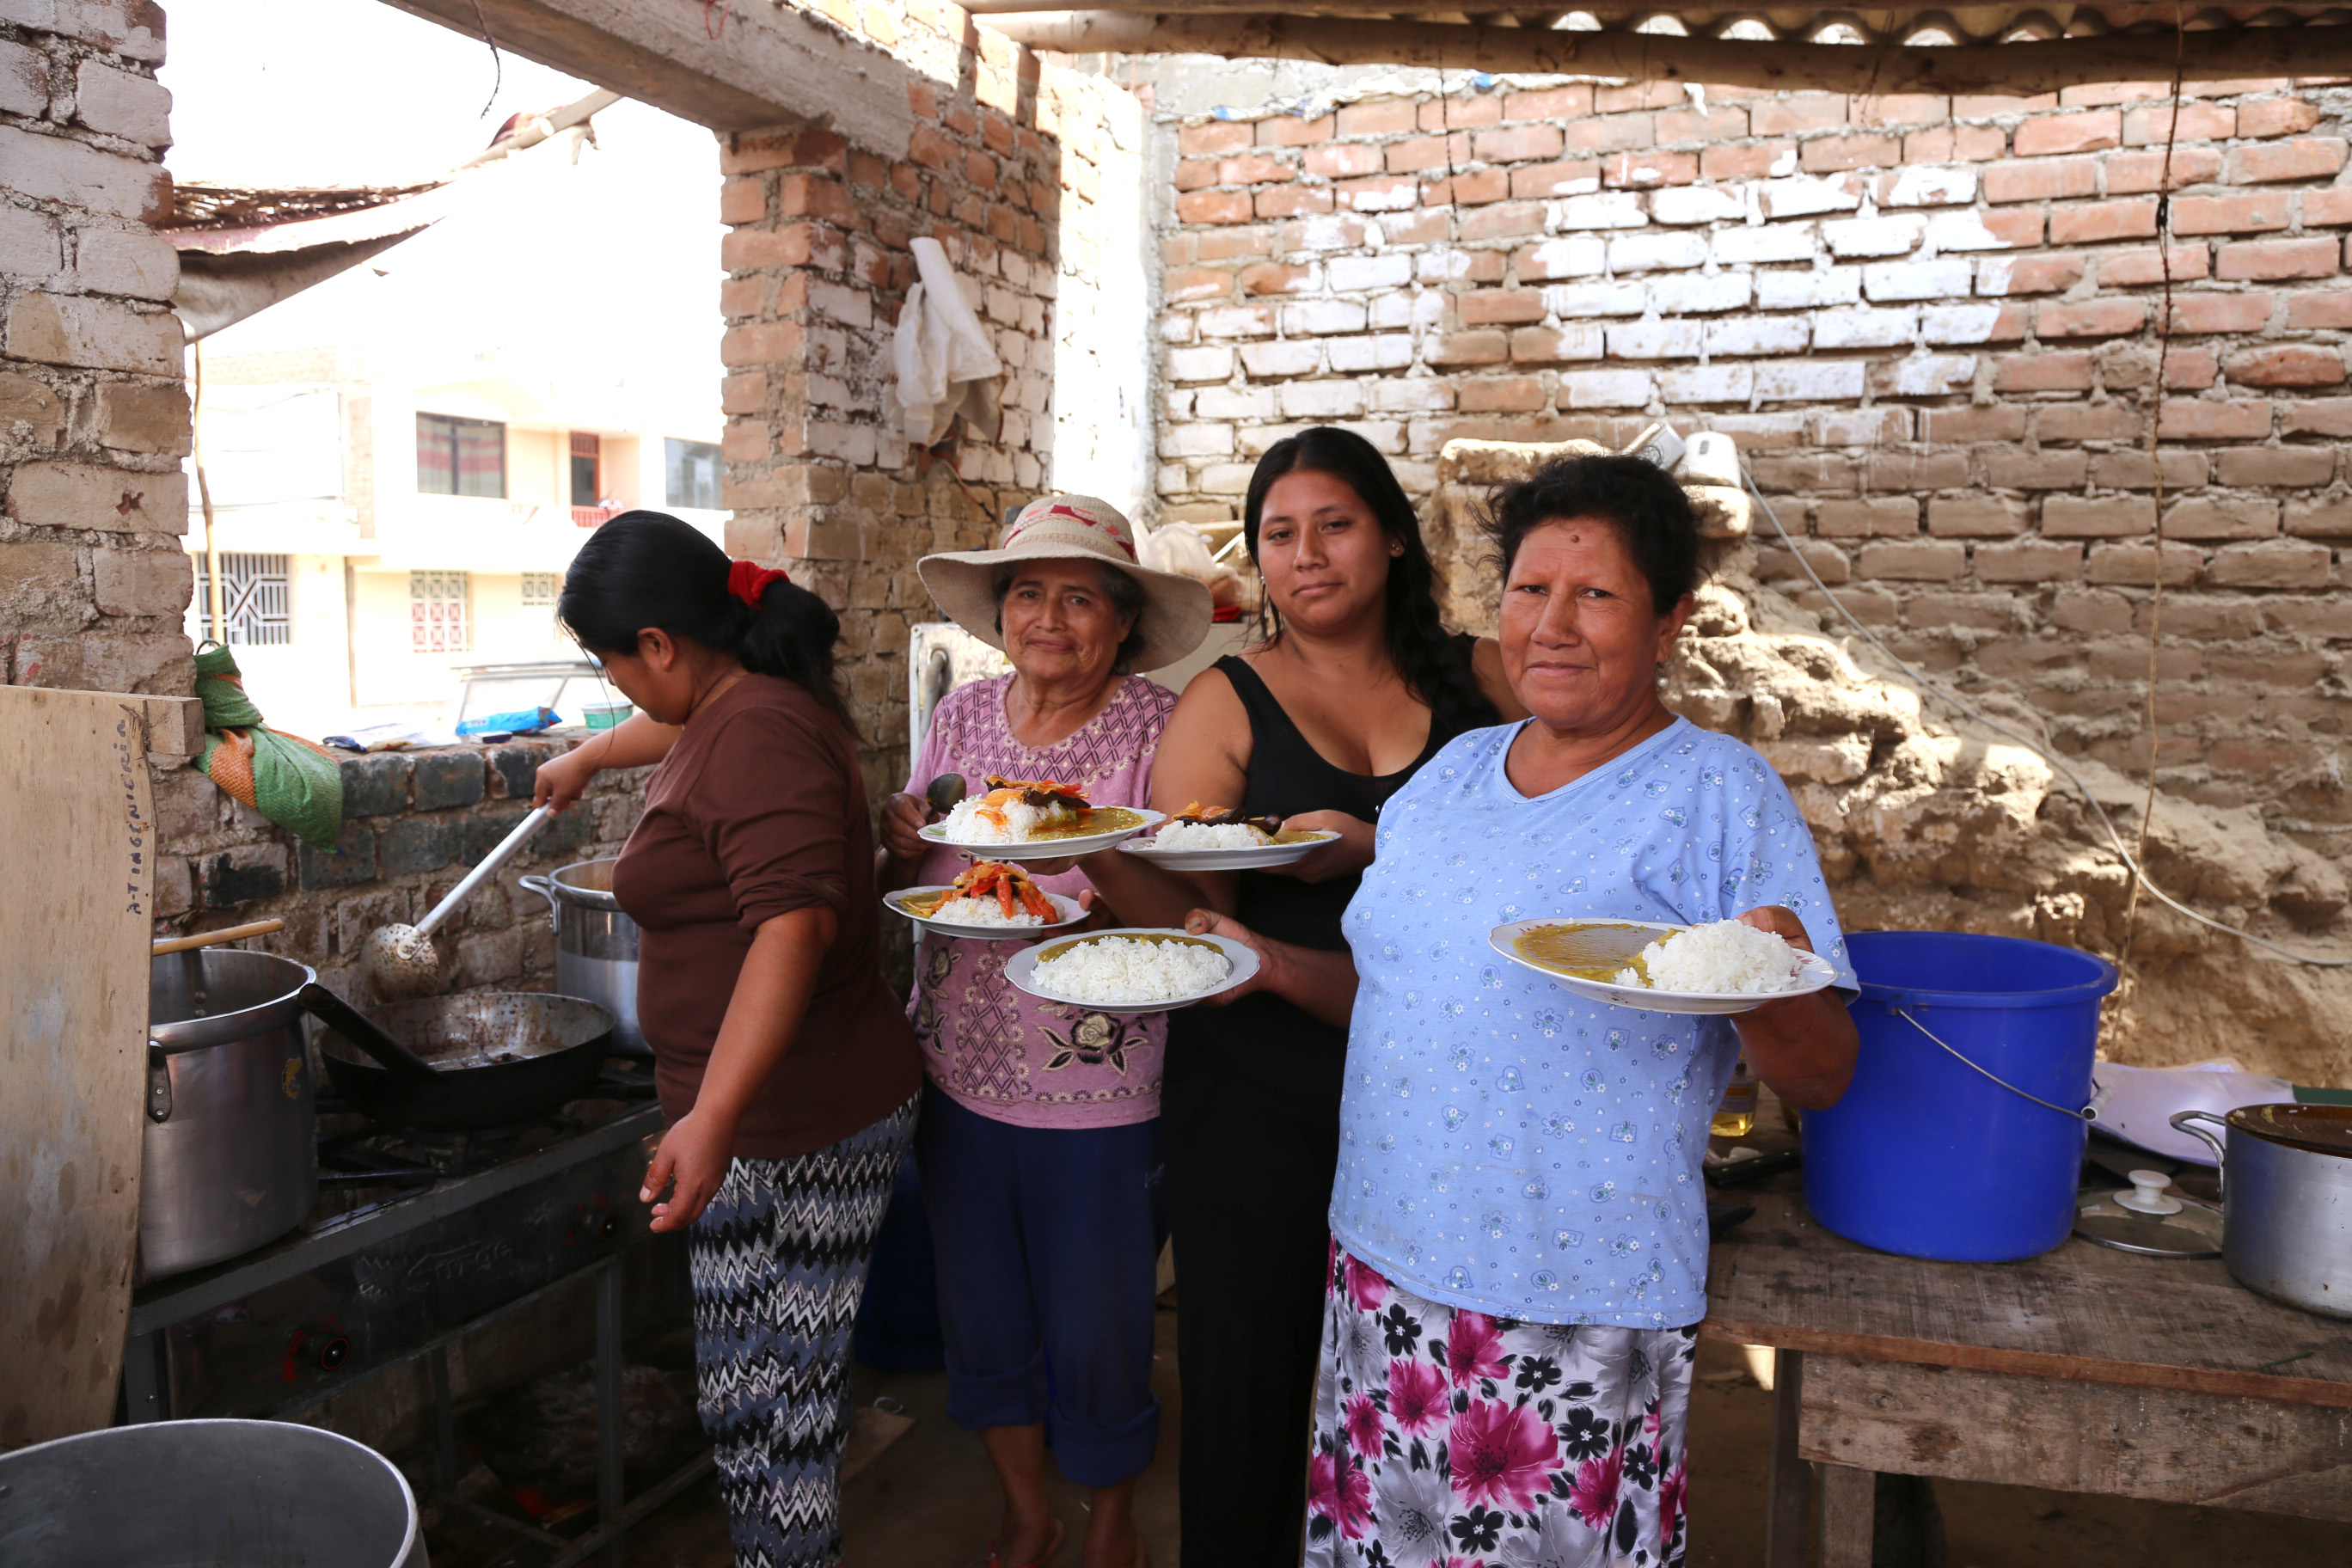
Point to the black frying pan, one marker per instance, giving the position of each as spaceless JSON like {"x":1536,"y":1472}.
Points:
{"x":497,"y":1056}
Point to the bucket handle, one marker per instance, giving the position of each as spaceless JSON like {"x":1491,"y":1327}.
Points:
{"x":2087,"y":1114}
{"x":545,"y":889}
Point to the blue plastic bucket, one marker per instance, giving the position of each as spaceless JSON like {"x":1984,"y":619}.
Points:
{"x":1925,"y":1155}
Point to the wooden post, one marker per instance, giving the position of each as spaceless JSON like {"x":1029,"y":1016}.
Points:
{"x":1789,"y":1481}
{"x":1849,"y":1515}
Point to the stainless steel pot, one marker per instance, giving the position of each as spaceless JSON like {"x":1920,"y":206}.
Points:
{"x":231,"y":1157}
{"x":2286,"y":1200}
{"x":165,"y":1494}
{"x":596,"y":945}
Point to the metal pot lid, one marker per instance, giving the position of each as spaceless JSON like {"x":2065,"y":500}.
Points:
{"x":2148,"y":1219}
{"x":2320,"y":1128}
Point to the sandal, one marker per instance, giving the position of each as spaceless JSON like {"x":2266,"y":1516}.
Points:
{"x":1052,"y":1545}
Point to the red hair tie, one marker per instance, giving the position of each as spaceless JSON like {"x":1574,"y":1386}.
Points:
{"x":749,"y":581}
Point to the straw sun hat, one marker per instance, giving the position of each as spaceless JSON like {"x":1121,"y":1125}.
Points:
{"x":1176,"y":610}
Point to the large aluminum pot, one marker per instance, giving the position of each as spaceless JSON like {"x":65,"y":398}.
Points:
{"x":231,"y":1158}
{"x":166,"y":1494}
{"x":596,"y":945}
{"x":2286,"y":1200}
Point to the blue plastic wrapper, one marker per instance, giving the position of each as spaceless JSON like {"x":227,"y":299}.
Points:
{"x":522,"y":722}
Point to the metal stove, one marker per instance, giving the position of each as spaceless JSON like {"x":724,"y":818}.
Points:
{"x":417,"y":1240}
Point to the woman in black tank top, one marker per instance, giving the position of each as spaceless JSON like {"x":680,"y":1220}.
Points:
{"x":1354,"y":686}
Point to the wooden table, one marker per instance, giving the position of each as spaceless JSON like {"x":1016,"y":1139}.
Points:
{"x":2084,"y":1370}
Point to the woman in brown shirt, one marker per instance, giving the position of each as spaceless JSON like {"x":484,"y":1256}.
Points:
{"x":786,"y":1068}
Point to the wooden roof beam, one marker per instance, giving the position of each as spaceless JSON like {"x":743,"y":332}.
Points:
{"x":1529,"y":14}
{"x":2022,"y":68}
{"x":767,"y":66}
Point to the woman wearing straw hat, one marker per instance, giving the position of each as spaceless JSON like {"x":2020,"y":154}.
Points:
{"x":1039,"y":1139}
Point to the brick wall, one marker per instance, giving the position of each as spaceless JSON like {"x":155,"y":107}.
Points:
{"x":1927,"y":320}
{"x":1030,"y":177}
{"x":93,"y":418}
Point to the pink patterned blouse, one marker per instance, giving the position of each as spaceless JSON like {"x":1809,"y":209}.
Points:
{"x":1000,"y":1051}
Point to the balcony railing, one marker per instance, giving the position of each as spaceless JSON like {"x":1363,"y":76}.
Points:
{"x":594,"y":516}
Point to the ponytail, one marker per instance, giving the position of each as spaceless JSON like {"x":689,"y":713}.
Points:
{"x":648,"y":568}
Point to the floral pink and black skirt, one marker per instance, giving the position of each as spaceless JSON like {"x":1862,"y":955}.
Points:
{"x":1446,"y":1438}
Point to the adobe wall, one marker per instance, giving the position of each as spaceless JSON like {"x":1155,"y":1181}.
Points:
{"x":93,"y":417}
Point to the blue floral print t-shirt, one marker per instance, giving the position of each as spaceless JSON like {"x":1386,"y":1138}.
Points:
{"x":1505,"y":1145}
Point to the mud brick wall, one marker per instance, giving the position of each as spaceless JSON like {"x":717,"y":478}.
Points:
{"x":1029,"y":176}
{"x":414,"y":823}
{"x":93,"y":417}
{"x":1928,"y":322}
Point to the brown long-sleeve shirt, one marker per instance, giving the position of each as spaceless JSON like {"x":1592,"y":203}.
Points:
{"x":759,"y":811}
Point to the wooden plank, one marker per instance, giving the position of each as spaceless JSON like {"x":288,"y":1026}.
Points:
{"x":2223,"y":1451}
{"x":729,"y":67}
{"x":175,"y":725}
{"x":2080,"y":1313}
{"x":1788,"y":1495}
{"x":1849,"y":1516}
{"x":76,"y":863}
{"x":2022,"y":68}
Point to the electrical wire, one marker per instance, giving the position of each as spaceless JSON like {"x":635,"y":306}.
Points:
{"x":2156,"y":396}
{"x":2115,"y":838}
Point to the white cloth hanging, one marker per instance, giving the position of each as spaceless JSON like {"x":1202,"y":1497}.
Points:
{"x":946,"y":364}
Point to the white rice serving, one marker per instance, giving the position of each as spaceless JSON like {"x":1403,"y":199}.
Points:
{"x":1114,"y":969}
{"x":1721,"y":958}
{"x":1190,"y":836}
{"x":982,"y":912}
{"x":964,"y":824}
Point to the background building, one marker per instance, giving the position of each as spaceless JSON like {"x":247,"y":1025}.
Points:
{"x":402,"y":460}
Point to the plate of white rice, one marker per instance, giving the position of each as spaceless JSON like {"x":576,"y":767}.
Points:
{"x":1227,"y":847}
{"x":964,"y":828}
{"x":1131,"y":970}
{"x":1717,"y":968}
{"x":983,"y":918}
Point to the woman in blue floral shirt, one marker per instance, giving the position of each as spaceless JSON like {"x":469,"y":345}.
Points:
{"x":1519,"y":1227}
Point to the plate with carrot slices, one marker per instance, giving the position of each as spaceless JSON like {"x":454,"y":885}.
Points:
{"x":992,"y":901}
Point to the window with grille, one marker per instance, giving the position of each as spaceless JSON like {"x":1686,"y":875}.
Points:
{"x":459,"y":457}
{"x":436,"y":612}
{"x":691,"y":468}
{"x":539,"y":590}
{"x":256,"y":600}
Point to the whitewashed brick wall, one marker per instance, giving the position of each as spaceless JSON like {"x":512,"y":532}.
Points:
{"x":1927,"y":320}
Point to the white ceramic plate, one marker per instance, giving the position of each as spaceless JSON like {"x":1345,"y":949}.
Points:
{"x":1071,"y":915}
{"x":1814,"y":973}
{"x":1049,"y":848}
{"x":1022,"y":965}
{"x":1251,"y":859}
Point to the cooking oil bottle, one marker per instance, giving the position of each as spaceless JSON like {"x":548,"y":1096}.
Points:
{"x":1735,"y":1115}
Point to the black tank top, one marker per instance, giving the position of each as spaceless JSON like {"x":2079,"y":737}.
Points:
{"x":1287,"y":776}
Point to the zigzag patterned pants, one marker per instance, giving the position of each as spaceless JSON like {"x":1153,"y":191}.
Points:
{"x":779,"y":1262}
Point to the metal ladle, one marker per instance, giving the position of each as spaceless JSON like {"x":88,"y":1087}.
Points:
{"x":399,"y":960}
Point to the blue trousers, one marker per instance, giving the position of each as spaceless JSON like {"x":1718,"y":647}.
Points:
{"x":1048,"y":1250}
